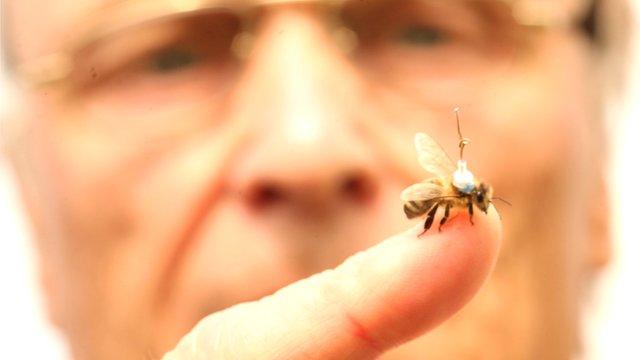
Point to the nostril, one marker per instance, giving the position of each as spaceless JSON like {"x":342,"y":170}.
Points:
{"x":264,"y":195}
{"x":358,"y":186}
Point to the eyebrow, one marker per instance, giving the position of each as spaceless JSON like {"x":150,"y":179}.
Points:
{"x":108,"y":16}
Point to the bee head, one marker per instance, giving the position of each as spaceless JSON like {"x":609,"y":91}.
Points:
{"x":482,"y":197}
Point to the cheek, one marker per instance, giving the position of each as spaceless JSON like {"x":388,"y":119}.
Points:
{"x":529,"y":133}
{"x":539,"y":116}
{"x":228,"y":253}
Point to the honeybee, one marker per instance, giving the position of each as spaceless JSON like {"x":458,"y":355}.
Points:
{"x":453,"y":186}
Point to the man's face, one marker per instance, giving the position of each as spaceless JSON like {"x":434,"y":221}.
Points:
{"x":169,"y":179}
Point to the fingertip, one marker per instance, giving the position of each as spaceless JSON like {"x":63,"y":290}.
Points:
{"x":442,"y":272}
{"x":483,"y":227}
{"x":479,"y":229}
{"x":377,"y":299}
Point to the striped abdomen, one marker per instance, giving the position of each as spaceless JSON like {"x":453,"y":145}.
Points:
{"x":415,"y":208}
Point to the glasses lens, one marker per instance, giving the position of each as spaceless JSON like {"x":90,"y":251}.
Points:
{"x":436,"y":52}
{"x":167,"y":61}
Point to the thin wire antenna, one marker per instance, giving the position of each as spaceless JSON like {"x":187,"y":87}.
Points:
{"x":457,"y":112}
{"x":463,"y":141}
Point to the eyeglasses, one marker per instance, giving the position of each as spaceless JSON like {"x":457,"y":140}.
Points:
{"x":164,"y":56}
{"x":133,"y":17}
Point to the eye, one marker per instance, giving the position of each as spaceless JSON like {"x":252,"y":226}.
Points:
{"x":174,"y":59}
{"x":480,"y":197}
{"x":419,"y":35}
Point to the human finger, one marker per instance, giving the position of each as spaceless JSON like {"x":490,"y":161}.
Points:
{"x":377,"y":299}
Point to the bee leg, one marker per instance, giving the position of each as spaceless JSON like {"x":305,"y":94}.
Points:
{"x":499,"y":216}
{"x":471,"y":212}
{"x":430,"y":215}
{"x":445,"y":217}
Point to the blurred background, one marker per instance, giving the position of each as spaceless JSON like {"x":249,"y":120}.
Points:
{"x":610,"y":318}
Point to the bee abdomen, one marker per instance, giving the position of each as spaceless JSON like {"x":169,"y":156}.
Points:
{"x":414,"y":209}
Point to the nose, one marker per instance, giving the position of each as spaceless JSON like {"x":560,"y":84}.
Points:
{"x":300,"y":95}
{"x":313,"y":176}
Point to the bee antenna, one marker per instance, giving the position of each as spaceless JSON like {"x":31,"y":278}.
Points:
{"x":463,"y":141}
{"x":503,"y":200}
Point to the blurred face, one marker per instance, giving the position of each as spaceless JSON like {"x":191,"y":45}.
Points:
{"x":186,"y":165}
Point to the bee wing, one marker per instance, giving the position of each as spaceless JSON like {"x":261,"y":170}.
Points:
{"x":432,"y":157}
{"x":421,"y":191}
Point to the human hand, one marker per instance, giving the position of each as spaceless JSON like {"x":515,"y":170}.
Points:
{"x":374,"y":301}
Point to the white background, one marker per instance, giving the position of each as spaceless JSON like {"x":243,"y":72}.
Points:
{"x":611,"y":318}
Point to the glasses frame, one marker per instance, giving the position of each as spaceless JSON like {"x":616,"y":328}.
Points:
{"x":55,"y":68}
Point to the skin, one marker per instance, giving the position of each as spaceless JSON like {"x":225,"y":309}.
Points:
{"x":136,"y":247}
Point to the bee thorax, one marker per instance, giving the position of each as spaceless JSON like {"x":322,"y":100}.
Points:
{"x":463,"y":179}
